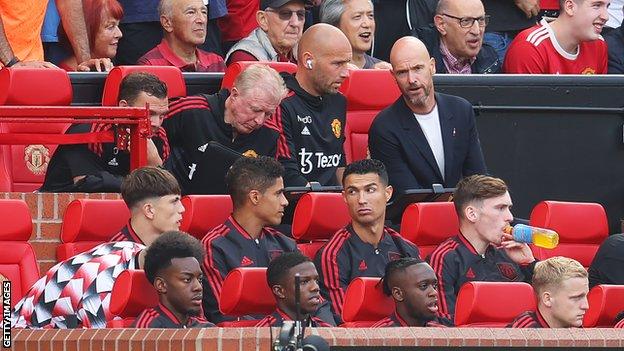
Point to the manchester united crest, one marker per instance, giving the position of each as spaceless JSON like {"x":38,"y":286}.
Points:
{"x":37,"y":158}
{"x":336,"y":127}
{"x":588,"y":70}
{"x":250,"y":153}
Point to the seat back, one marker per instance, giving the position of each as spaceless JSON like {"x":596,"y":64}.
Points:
{"x":17,"y":257}
{"x":367,"y":92}
{"x":581,"y":226}
{"x":88,"y":223}
{"x":428,"y":224}
{"x":170,"y":75}
{"x":605,"y":303}
{"x":23,"y":167}
{"x":132,"y":293}
{"x":204,"y":212}
{"x":366,"y":302}
{"x":311,"y":227}
{"x":245,"y":291}
{"x":492,"y":304}
{"x":232,"y":71}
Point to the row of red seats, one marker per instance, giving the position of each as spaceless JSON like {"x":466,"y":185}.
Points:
{"x":479,"y":304}
{"x":89,"y":222}
{"x":22,"y":167}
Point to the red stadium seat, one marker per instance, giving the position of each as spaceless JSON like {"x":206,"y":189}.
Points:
{"x":132,"y":293}
{"x":233,"y":70}
{"x":204,"y":212}
{"x":246,"y":292}
{"x":17,"y":257}
{"x":428,"y":224}
{"x":492,"y":304}
{"x":582,"y":227}
{"x":367,"y":92}
{"x":23,"y":167}
{"x":172,"y":76}
{"x":605,"y":302}
{"x":311,"y":227}
{"x":88,"y":223}
{"x":365,"y":303}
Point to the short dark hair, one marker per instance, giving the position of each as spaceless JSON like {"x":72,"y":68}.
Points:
{"x":251,"y":173}
{"x":170,"y":245}
{"x":147,"y":182}
{"x":278,"y":268}
{"x":394,"y":267}
{"x":476,"y":188}
{"x":135,"y":83}
{"x":367,"y":166}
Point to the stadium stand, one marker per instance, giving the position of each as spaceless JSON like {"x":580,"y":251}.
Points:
{"x":367,"y":92}
{"x":236,"y":68}
{"x":428,"y":224}
{"x":582,"y":227}
{"x":605,"y":303}
{"x":204,"y":212}
{"x":245,"y":291}
{"x":88,"y":223}
{"x":172,"y":76}
{"x":132,"y":293}
{"x":312,"y":226}
{"x":365,"y":303}
{"x":492,"y":304}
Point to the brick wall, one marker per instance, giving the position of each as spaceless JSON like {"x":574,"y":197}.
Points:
{"x":250,"y":339}
{"x":47,"y":212}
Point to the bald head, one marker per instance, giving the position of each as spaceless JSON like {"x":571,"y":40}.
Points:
{"x":408,"y":47}
{"x":321,"y":39}
{"x":323,"y":54}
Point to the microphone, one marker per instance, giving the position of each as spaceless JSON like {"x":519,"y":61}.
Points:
{"x":315,"y":343}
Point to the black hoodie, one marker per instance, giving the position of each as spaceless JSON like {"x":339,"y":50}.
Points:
{"x":311,"y":135}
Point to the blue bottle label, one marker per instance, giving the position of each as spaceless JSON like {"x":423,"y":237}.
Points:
{"x":523,"y":233}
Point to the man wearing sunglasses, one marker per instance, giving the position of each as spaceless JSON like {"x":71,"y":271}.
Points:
{"x":456,"y":42}
{"x":280,"y":26}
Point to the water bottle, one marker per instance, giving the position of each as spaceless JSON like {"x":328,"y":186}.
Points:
{"x":546,"y":238}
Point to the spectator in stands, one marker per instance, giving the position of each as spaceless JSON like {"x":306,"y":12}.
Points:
{"x":100,"y":167}
{"x":208,"y":132}
{"x":20,"y":29}
{"x":615,"y":45}
{"x":245,"y":239}
{"x":184,"y":25}
{"x":481,"y":251}
{"x":364,"y":247}
{"x":355,"y":19}
{"x":561,"y":287}
{"x":606,"y":267}
{"x":281,"y":278}
{"x":412,"y":284}
{"x":239,"y":21}
{"x":507,"y":19}
{"x":280,"y":28}
{"x":456,"y":42}
{"x":312,"y":118}
{"x":172,"y":265}
{"x":102,"y":18}
{"x":571,"y":44}
{"x":76,"y":292}
{"x":424,"y":137}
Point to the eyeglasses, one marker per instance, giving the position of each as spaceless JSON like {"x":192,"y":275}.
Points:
{"x":467,"y":22}
{"x":286,"y":15}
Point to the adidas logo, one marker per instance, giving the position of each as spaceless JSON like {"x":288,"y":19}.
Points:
{"x":305,"y":131}
{"x":246,"y":262}
{"x":470,"y":274}
{"x":113,"y":162}
{"x":203,"y":147}
{"x":362,"y":266}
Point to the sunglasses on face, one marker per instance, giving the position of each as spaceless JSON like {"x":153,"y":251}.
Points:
{"x":286,"y":15}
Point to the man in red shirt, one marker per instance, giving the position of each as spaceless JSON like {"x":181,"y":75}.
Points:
{"x":571,"y":44}
{"x":280,"y":28}
{"x":184,"y":27}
